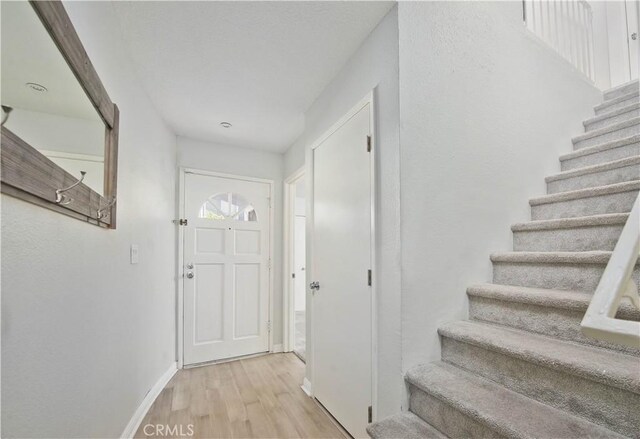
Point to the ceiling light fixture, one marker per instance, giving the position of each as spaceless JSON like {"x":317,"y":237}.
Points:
{"x":36,"y":87}
{"x":225,"y":125}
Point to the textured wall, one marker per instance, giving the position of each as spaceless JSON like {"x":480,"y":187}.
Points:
{"x":85,"y":334}
{"x":486,"y":109}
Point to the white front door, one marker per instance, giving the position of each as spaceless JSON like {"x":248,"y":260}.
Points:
{"x":226,"y":267}
{"x":342,"y":254}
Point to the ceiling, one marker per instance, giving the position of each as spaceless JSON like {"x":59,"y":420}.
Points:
{"x":257,"y":65}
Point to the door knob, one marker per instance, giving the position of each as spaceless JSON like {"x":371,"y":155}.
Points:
{"x":315,"y":285}
{"x":190,"y":265}
{"x":190,"y":275}
{"x":634,"y":36}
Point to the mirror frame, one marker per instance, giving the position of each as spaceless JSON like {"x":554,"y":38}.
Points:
{"x":30,"y":176}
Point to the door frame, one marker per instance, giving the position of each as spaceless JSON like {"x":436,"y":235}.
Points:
{"x":288,"y":263}
{"x":369,"y":99}
{"x":182,"y":171}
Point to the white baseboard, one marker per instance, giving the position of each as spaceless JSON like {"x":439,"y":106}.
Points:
{"x":306,"y":386}
{"x":148,"y":400}
{"x":277,"y":348}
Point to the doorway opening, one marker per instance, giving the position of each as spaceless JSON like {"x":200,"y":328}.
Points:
{"x":295,"y":268}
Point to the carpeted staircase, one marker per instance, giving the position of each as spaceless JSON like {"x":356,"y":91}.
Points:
{"x":520,"y":367}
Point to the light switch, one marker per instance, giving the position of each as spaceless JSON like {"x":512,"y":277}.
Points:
{"x":134,"y":253}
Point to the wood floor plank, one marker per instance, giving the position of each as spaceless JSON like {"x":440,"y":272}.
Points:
{"x":257,"y":397}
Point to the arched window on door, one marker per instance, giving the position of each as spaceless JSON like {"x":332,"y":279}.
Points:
{"x":227,"y":206}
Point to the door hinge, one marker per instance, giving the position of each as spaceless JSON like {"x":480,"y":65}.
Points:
{"x":368,"y":143}
{"x":180,"y":222}
{"x":293,"y":275}
{"x":269,"y":265}
{"x":369,"y":415}
{"x":269,"y":325}
{"x":369,"y":275}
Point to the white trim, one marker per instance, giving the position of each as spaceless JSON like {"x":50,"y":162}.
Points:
{"x":180,"y":262}
{"x":288,"y":329}
{"x":277,"y":348}
{"x":180,"y":274}
{"x":72,"y":156}
{"x":368,"y":99}
{"x":147,"y":402}
{"x":306,"y":387}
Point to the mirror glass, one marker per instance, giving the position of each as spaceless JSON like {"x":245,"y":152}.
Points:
{"x":49,"y":109}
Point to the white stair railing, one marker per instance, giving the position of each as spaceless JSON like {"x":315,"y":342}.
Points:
{"x":566,"y":26}
{"x":600,"y":320}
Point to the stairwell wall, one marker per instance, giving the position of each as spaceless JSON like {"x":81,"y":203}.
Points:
{"x":486,"y":109}
{"x":86,"y":334}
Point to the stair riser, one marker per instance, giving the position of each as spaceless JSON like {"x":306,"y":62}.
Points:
{"x":612,"y":94}
{"x":612,"y":120}
{"x":559,"y":323}
{"x":602,"y":178}
{"x":578,"y":277}
{"x":608,"y":137}
{"x":447,"y":418}
{"x":620,"y":202}
{"x":630,"y":150}
{"x":579,"y":239}
{"x":610,"y":407}
{"x":617,"y":105}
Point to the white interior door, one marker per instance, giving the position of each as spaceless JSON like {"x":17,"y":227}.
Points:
{"x":342,"y":254}
{"x":226,"y":267}
{"x":633,"y":36}
{"x":624,"y":40}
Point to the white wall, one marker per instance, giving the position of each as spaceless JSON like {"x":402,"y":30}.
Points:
{"x":375,"y":64}
{"x":486,"y":110}
{"x":85,"y":334}
{"x":248,"y":163}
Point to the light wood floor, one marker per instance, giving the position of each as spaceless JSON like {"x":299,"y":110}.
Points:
{"x":256,"y":397}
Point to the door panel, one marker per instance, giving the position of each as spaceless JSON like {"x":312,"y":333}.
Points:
{"x":208,"y":302}
{"x":226,"y":290}
{"x":342,"y":340}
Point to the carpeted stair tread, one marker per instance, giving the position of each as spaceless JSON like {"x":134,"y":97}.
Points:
{"x":573,"y":300}
{"x":570,"y":223}
{"x":403,"y":425}
{"x":597,"y":364}
{"x":506,"y":412}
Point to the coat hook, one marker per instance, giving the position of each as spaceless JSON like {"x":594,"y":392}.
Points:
{"x":101,"y":211}
{"x":5,"y":114}
{"x":63,"y":199}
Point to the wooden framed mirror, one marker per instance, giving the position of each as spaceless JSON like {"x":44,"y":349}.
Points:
{"x":59,"y":146}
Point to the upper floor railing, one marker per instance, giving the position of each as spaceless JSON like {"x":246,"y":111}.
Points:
{"x":600,"y":321}
{"x":566,"y":26}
